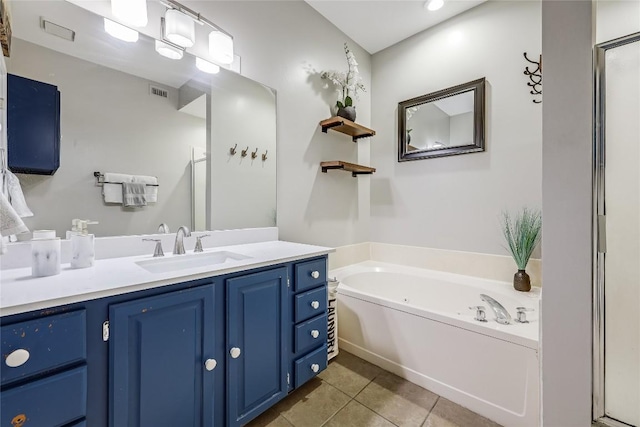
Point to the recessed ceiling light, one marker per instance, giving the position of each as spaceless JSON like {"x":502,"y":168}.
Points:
{"x":120,"y":31}
{"x":433,"y":5}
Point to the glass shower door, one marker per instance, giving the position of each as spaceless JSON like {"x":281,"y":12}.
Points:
{"x":618,"y":181}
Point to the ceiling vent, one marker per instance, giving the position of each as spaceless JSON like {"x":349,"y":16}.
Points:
{"x":158,"y":91}
{"x":57,"y":30}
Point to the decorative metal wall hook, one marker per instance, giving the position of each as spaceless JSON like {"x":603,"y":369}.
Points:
{"x":264,"y":156}
{"x":232,"y":151}
{"x":243,"y":153}
{"x":254,"y":154}
{"x":535,"y":77}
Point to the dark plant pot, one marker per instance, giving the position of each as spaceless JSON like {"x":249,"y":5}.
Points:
{"x":348,"y":113}
{"x":522,"y":281}
{"x":408,"y":138}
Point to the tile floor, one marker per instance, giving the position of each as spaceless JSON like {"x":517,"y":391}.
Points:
{"x":354,"y":393}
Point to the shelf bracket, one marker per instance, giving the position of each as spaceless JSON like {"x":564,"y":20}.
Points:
{"x":357,"y":137}
{"x":326,"y":127}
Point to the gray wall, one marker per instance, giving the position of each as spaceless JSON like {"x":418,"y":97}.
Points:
{"x":109,"y":123}
{"x":567,"y":41}
{"x":455,"y":202}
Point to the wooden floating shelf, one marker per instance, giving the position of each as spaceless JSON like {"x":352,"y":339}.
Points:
{"x":340,"y":124}
{"x":349,"y":167}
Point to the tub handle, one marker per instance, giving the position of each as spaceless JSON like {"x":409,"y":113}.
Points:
{"x":521,"y":317}
{"x":481,"y":315}
{"x":315,"y":305}
{"x":315,"y":333}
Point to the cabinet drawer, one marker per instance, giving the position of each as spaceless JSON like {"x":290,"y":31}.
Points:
{"x":310,"y":365}
{"x":306,"y":271}
{"x":50,"y":342}
{"x":310,"y":304}
{"x":311,"y":334}
{"x":52,"y":401}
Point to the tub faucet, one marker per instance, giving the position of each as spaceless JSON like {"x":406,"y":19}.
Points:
{"x":502,"y":315}
{"x":178,"y":248}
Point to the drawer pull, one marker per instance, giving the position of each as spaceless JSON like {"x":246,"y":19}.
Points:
{"x":315,"y":333}
{"x":235,"y":352}
{"x":19,"y":420}
{"x":315,"y":274}
{"x":315,"y":305}
{"x":315,"y":368}
{"x":17,"y":358}
{"x":210,"y":364}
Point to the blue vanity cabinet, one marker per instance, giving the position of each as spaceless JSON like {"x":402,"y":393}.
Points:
{"x":165,"y":360}
{"x":33,"y":126}
{"x":257,"y":344}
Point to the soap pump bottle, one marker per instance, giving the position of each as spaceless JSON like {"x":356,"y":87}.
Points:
{"x":82,"y":244}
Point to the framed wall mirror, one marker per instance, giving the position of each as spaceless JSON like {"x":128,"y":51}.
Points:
{"x":442,"y":123}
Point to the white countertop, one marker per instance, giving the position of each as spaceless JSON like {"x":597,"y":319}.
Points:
{"x":20,"y":292}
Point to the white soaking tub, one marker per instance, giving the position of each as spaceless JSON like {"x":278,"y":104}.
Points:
{"x":417,"y":324}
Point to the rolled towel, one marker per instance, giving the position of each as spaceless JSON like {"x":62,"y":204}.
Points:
{"x":10,"y":222}
{"x":133,"y":195}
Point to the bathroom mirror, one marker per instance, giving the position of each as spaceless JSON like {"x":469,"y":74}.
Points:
{"x":443,"y":123}
{"x":126,"y":109}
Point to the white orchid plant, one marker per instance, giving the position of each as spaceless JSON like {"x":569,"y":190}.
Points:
{"x":347,"y":83}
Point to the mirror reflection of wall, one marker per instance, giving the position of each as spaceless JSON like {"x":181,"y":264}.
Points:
{"x":126,"y":109}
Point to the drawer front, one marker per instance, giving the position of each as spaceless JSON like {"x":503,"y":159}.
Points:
{"x":310,"y":334}
{"x":311,"y":365}
{"x":46,"y":343}
{"x":52,"y":401}
{"x":310,"y":304}
{"x":306,"y":271}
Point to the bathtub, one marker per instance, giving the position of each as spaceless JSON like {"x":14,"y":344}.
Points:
{"x":417,"y":324}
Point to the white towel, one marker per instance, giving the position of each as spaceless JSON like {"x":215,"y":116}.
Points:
{"x":16,"y":197}
{"x":133,"y":195}
{"x":10,"y":222}
{"x":113,"y":192}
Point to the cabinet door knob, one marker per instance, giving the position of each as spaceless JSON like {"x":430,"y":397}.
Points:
{"x":315,"y":367}
{"x":210,"y":364}
{"x":315,"y":333}
{"x":315,"y":274}
{"x":17,"y":358}
{"x":235,"y":352}
{"x":315,"y":305}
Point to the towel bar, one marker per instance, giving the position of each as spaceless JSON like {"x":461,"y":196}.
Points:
{"x":100,"y":180}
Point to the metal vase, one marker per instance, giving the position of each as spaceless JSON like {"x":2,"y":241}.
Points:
{"x":348,"y":113}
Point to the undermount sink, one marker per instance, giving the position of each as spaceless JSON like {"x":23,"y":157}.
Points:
{"x":183,"y":262}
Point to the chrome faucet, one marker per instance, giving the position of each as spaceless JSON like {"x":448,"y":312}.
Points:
{"x":178,"y":248}
{"x":502,"y":315}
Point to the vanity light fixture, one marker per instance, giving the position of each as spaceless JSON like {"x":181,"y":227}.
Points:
{"x":433,"y":5}
{"x":120,"y":32}
{"x":221,"y":47}
{"x":206,"y":66}
{"x":168,"y":50}
{"x":179,"y":28}
{"x":131,"y":12}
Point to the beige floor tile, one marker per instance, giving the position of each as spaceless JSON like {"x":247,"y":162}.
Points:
{"x":448,"y":414}
{"x":270,"y":418}
{"x":357,"y":415}
{"x":397,"y":400}
{"x":349,"y":373}
{"x":312,"y":404}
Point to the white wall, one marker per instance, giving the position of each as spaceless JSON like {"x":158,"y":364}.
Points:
{"x":616,"y":18}
{"x":567,"y":42}
{"x":107,"y":124}
{"x":285,"y":44}
{"x":455,"y":202}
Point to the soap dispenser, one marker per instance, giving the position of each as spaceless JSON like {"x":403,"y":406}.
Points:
{"x":82,"y":244}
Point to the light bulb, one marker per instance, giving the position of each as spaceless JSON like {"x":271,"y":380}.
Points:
{"x":179,"y":28}
{"x":131,"y":12}
{"x":168,"y":51}
{"x":206,"y":66}
{"x":120,"y":31}
{"x":221,"y":47}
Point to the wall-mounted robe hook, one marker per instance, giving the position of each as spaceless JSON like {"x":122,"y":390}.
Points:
{"x":232,"y":151}
{"x":244,"y":152}
{"x":535,"y":77}
{"x":254,"y":154}
{"x":264,"y":156}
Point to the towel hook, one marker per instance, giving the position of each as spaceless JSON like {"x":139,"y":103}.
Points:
{"x":244,"y":152}
{"x":264,"y":156}
{"x":254,"y":154}
{"x":232,"y":151}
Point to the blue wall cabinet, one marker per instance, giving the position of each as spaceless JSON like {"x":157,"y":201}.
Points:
{"x":257,"y":346}
{"x":163,"y":362}
{"x":33,"y":126}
